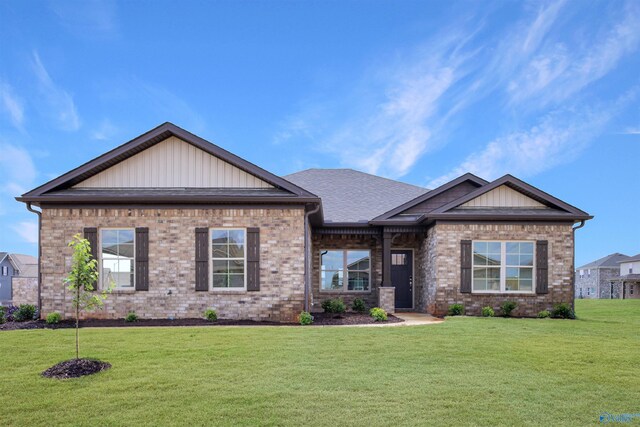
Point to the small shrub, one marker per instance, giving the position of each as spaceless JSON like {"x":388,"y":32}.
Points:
{"x":2,"y":314}
{"x":131,"y":317}
{"x":508,"y":307}
{"x":53,"y":318}
{"x":359,"y":305}
{"x":456,"y":310}
{"x":9,"y":311}
{"x":211,"y":315}
{"x":24,"y":312}
{"x":378,"y":314}
{"x":335,"y":306}
{"x":563,"y":311}
{"x":544,"y":314}
{"x":305,"y":318}
{"x":488,"y":312}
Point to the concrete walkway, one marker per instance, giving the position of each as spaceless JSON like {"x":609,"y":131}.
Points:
{"x":410,"y":319}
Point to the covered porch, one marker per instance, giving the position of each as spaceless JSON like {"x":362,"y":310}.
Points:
{"x":625,"y":287}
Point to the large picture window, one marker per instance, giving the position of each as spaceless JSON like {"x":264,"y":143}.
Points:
{"x":345,"y":270}
{"x":228,"y":258}
{"x":117,"y":249}
{"x":503,"y":266}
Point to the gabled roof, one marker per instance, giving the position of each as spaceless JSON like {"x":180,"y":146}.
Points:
{"x":468,"y":177}
{"x":633,"y":258}
{"x":350,"y":196}
{"x":25,"y":264}
{"x":3,"y":255}
{"x":611,"y":260}
{"x":54,"y":189}
{"x":563,"y":211}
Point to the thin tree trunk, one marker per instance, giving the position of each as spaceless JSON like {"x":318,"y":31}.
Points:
{"x":77,"y":326}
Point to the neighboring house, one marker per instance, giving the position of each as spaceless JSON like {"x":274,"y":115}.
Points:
{"x":593,"y":280}
{"x":627,"y":284}
{"x":18,"y":279}
{"x":179,"y":225}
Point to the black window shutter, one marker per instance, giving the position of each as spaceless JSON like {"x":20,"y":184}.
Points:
{"x":91,"y":234}
{"x":142,"y":259}
{"x":465,"y":266}
{"x":202,"y":259}
{"x":253,"y":259}
{"x":542,"y":267}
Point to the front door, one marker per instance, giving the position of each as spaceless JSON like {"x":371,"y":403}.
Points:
{"x":402,"y":277}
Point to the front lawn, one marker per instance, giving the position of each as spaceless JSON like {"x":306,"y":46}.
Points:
{"x":465,"y":371}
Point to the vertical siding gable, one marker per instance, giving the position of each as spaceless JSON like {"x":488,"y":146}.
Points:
{"x":173,"y":163}
{"x":503,"y":197}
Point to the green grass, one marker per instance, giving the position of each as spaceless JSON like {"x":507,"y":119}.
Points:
{"x":465,"y":371}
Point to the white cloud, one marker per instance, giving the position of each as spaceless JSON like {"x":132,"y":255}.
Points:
{"x":631,"y":131}
{"x":12,"y":105}
{"x":557,"y":72}
{"x":105,"y":131}
{"x":556,"y":139}
{"x":17,"y":170}
{"x":87,"y":18}
{"x":60,"y":105}
{"x":27,"y":230}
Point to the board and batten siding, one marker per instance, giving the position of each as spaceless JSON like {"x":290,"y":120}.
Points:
{"x":173,"y":163}
{"x":503,"y":197}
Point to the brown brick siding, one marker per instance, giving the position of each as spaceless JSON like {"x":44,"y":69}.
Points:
{"x":172,"y":265}
{"x":446,"y":268}
{"x":24,"y":290}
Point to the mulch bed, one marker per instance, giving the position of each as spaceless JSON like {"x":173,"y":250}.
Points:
{"x":75,"y":368}
{"x":319,"y":319}
{"x":323,"y":319}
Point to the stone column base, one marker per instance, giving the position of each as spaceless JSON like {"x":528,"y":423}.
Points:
{"x":387,"y":299}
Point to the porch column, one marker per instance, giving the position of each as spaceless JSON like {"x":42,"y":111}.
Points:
{"x":386,"y":259}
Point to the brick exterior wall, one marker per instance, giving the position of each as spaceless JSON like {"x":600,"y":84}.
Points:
{"x":172,"y":265}
{"x":387,"y":300}
{"x":25,"y":290}
{"x":444,"y":268}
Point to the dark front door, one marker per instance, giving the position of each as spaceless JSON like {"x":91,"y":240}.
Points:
{"x":402,"y":277}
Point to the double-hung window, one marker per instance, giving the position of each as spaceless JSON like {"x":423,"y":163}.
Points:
{"x":345,"y":270}
{"x":228,"y":258}
{"x":117,"y":249}
{"x":502,"y":267}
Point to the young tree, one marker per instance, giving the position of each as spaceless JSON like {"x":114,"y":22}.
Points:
{"x":81,"y":281}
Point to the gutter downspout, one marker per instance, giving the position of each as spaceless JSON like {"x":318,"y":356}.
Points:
{"x":307,"y":257}
{"x":573,"y":266}
{"x":39,"y":213}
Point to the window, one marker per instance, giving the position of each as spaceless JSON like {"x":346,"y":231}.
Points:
{"x":503,"y":266}
{"x":356,"y":264}
{"x":588,"y":291}
{"x":398,"y":259}
{"x":117,"y":249}
{"x":581,"y":274}
{"x":5,"y":270}
{"x":589,"y":273}
{"x":631,"y":289}
{"x":228,"y":256}
{"x":630,"y":270}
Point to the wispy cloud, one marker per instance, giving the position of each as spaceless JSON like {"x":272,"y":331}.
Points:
{"x":631,"y":131}
{"x":12,"y":105}
{"x":104,"y":131}
{"x":27,"y":230}
{"x":60,"y":105}
{"x":556,"y":72}
{"x":17,"y":174}
{"x":556,"y":139}
{"x":87,"y":18}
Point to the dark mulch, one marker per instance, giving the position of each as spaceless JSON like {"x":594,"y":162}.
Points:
{"x":75,"y":368}
{"x":319,"y":319}
{"x":322,"y":319}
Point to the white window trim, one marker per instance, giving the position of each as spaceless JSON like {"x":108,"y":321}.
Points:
{"x":503,"y":268}
{"x":5,"y":270}
{"x":211,"y":287}
{"x":345,"y":279}
{"x":117,"y":288}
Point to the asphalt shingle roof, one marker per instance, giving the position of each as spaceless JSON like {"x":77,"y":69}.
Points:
{"x":351,"y":196}
{"x":612,"y":260}
{"x":628,"y":259}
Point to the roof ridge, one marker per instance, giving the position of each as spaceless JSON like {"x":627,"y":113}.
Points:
{"x":425,"y":189}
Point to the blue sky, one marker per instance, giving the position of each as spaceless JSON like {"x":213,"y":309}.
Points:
{"x":417,"y":91}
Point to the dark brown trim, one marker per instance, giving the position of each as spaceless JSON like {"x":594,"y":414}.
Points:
{"x":168,"y":199}
{"x":346,"y":230}
{"x":518,"y":185}
{"x":403,"y":207}
{"x":536,"y":221}
{"x":151,"y":206}
{"x":504,"y":217}
{"x":149,"y":139}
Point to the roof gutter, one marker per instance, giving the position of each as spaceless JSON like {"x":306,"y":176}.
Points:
{"x":30,"y":209}
{"x":307,"y":256}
